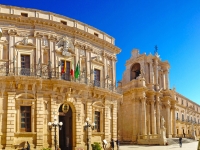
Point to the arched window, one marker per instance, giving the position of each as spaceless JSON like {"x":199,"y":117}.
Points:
{"x":135,"y":71}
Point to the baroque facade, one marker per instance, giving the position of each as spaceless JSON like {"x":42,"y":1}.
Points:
{"x":150,"y":109}
{"x":49,"y":62}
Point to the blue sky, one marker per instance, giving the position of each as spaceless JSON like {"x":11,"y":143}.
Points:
{"x":173,"y":25}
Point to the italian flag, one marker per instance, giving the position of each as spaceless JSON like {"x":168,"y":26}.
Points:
{"x":77,"y":72}
{"x":72,"y":69}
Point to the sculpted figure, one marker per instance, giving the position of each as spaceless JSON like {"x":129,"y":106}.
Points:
{"x":162,"y":122}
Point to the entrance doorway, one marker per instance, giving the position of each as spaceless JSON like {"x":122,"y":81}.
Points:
{"x":65,"y":135}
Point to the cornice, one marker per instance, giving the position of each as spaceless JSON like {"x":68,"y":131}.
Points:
{"x":58,"y":27}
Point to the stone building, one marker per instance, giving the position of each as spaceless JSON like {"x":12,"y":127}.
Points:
{"x":150,"y":111}
{"x":55,"y":69}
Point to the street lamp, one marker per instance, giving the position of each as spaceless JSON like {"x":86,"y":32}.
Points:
{"x":55,"y":124}
{"x":86,"y":126}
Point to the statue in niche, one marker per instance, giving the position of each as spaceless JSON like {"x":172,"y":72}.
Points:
{"x":162,"y":123}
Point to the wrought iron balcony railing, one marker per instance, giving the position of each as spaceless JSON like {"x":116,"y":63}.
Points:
{"x":46,"y":73}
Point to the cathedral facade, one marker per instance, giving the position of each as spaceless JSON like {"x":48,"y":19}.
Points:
{"x":55,"y":73}
{"x":150,"y":109}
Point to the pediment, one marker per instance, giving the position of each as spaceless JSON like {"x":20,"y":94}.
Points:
{"x":98,"y":104}
{"x":25,"y":96}
{"x":21,"y":45}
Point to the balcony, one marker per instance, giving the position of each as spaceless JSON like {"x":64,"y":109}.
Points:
{"x":46,"y":73}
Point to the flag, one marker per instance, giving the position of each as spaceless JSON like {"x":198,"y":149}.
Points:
{"x":64,"y":67}
{"x":72,"y":70}
{"x":77,"y":72}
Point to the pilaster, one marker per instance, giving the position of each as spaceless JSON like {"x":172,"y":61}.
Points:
{"x":114,"y":132}
{"x":1,"y":119}
{"x":168,"y":119}
{"x":148,"y":118}
{"x":10,"y":120}
{"x":79,"y":123}
{"x":158,"y":113}
{"x":107,"y":121}
{"x":174,"y":120}
{"x":153,"y":125}
{"x":143,"y":121}
{"x":53,"y":112}
{"x":39,"y":120}
{"x":89,"y":115}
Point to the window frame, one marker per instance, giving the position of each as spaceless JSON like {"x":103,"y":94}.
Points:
{"x":97,"y":120}
{"x":27,"y":124}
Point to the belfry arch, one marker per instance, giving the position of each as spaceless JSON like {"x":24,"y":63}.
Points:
{"x":135,"y":71}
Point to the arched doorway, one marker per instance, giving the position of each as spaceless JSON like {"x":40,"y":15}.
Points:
{"x":65,"y":135}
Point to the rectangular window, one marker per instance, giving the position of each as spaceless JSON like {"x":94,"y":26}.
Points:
{"x":176,"y":116}
{"x":97,"y":121}
{"x":24,"y":14}
{"x":182,"y":117}
{"x":25,"y":65}
{"x":96,"y":34}
{"x":182,"y":102}
{"x":25,"y":118}
{"x":65,"y":70}
{"x":63,"y":22}
{"x":96,"y":77}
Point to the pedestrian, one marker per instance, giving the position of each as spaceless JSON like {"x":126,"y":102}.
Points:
{"x":28,"y":146}
{"x":117,"y":143}
{"x":180,"y":141}
{"x":112,"y":144}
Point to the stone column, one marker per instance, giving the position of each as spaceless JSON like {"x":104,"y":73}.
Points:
{"x":11,"y":120}
{"x":151,"y":73}
{"x":156,"y":73}
{"x":143,"y":118}
{"x":174,"y":120}
{"x":39,"y":120}
{"x":166,"y":79}
{"x":168,"y":119}
{"x":88,"y":64}
{"x":158,"y":113}
{"x":52,"y":53}
{"x":148,"y":118}
{"x":153,"y":125}
{"x":113,"y":72}
{"x":11,"y":48}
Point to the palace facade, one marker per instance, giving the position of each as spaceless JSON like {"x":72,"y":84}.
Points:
{"x":150,"y":109}
{"x":55,"y":69}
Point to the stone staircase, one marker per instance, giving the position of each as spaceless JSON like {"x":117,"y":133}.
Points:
{"x":171,"y":141}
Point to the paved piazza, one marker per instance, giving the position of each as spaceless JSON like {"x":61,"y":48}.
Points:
{"x":185,"y":146}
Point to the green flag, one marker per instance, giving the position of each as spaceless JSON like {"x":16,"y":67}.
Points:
{"x":77,"y":72}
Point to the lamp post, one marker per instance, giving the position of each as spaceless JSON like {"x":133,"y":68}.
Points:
{"x":55,"y":124}
{"x":86,"y":126}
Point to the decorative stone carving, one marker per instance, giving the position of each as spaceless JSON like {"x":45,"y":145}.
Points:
{"x":65,"y":45}
{"x":12,"y":32}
